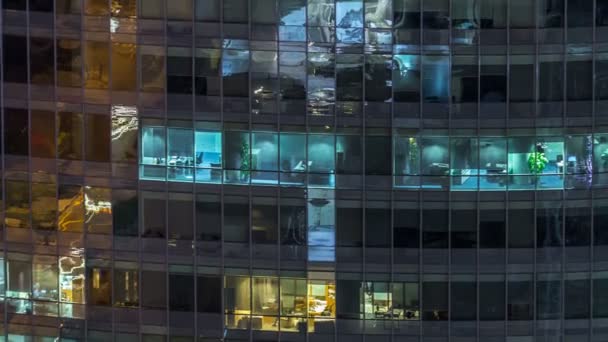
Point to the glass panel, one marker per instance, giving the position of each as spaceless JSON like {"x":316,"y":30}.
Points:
{"x":208,"y":156}
{"x":17,"y":197}
{"x":69,"y":63}
{"x":292,"y":157}
{"x":70,"y":135}
{"x":321,"y":225}
{"x":435,"y":85}
{"x":237,"y":151}
{"x":43,"y":134}
{"x":378,"y":13}
{"x":43,"y":201}
{"x":464,"y":163}
{"x":71,"y":209}
{"x":321,"y":160}
{"x":406,"y":78}
{"x":180,"y":152}
{"x":235,"y":72}
{"x":264,"y":157}
{"x":96,"y":64}
{"x":45,"y":278}
{"x":321,"y":83}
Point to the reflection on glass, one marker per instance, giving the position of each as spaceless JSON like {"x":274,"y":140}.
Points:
{"x":180,"y":154}
{"x":378,"y":13}
{"x":321,"y":83}
{"x":321,"y":225}
{"x":44,"y":205}
{"x":17,"y":197}
{"x":71,"y":208}
{"x":97,"y":64}
{"x":406,"y":78}
{"x":264,"y":157}
{"x":436,"y":80}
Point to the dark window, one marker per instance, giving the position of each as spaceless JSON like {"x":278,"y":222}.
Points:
{"x":380,"y":148}
{"x":492,"y":228}
{"x":579,"y":77}
{"x":491,"y":300}
{"x":580,"y":13}
{"x":153,"y":289}
{"x":600,"y":300}
{"x":551,"y":78}
{"x":464,"y":228}
{"x":377,"y":224}
{"x":493,"y":79}
{"x":181,"y":292}
{"x":406,"y":78}
{"x":208,"y":218}
{"x":236,"y":219}
{"x":209,"y":298}
{"x":406,"y":228}
{"x":521,"y":77}
{"x":601,"y":13}
{"x":179,"y":70}
{"x":551,"y":13}
{"x":42,"y":59}
{"x":436,"y":14}
{"x":98,"y":130}
{"x":578,"y":226}
{"x":41,"y":5}
{"x":464,"y":301}
{"x":600,"y":221}
{"x":435,"y":228}
{"x":124,"y":212}
{"x":15,"y":57}
{"x":19,"y":5}
{"x":378,"y":70}
{"x":549,"y":227}
{"x":16,"y":132}
{"x":521,"y":228}
{"x":181,"y":222}
{"x":349,"y":77}
{"x":350,"y":230}
{"x":520,"y":300}
{"x":548,"y":299}
{"x":576,"y":296}
{"x":435,"y":301}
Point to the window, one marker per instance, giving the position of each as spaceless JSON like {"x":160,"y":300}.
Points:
{"x":493,"y":163}
{"x":153,"y":145}
{"x":43,"y":197}
{"x":69,"y":63}
{"x":493,"y":14}
{"x":71,"y":209}
{"x":208,"y":156}
{"x":15,"y":53}
{"x":154,"y":214}
{"x":435,"y":228}
{"x":549,"y":225}
{"x":152,"y":9}
{"x":601,"y":13}
{"x":292,"y":225}
{"x":321,"y":82}
{"x":521,"y":76}
{"x":464,"y":79}
{"x":126,"y":287}
{"x":551,"y":13}
{"x":17,"y":198}
{"x":235,"y":72}
{"x":435,"y":85}
{"x":321,"y":225}
{"x":124,"y":58}
{"x":237,"y":299}
{"x":520,"y":303}
{"x":45,"y":278}
{"x":265,"y":297}
{"x":579,"y":77}
{"x":521,"y":225}
{"x":16,"y":132}
{"x":349,"y":154}
{"x":97,"y":144}
{"x":96,"y":64}
{"x":152,"y":68}
{"x":124,"y":8}
{"x":180,"y":154}
{"x":124,"y":212}
{"x":264,"y":157}
{"x":153,"y":289}
{"x":492,"y":226}
{"x":43,"y":134}
{"x":70,"y":135}
{"x":99,"y":285}
{"x":380,"y":148}
{"x":492,"y":299}
{"x":179,"y":70}
{"x":580,"y":13}
{"x":378,"y":70}
{"x":436,"y":14}
{"x":42,"y":57}
{"x":578,"y":224}
{"x":209,"y":294}
{"x":406,"y":78}
{"x":264,"y":221}
{"x":378,"y":225}
{"x":124,"y":134}
{"x":293,"y":297}
{"x":464,"y":163}
{"x":98,"y":210}
{"x":207,"y":72}
{"x":463,"y":299}
{"x":525,"y":17}
{"x":493,"y":79}
{"x":548,"y":296}
{"x":292,"y":156}
{"x":349,"y":77}
{"x":435,"y":300}
{"x":181,"y":292}
{"x":96,"y":7}
{"x":208,"y":217}
{"x":19,"y":277}
{"x":551,"y":77}
{"x":181,"y":225}
{"x":179,"y":10}
{"x":577,"y":293}
{"x":465,"y":15}
{"x":208,"y":10}
{"x":236,"y":220}
{"x":464,"y":227}
{"x":321,"y":160}
{"x":406,"y":223}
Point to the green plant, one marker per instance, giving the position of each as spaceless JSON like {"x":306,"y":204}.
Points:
{"x":537,"y":162}
{"x":245,"y":161}
{"x":413,"y":154}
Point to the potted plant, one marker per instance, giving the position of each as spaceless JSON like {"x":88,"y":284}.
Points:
{"x":537,"y":161}
{"x":245,"y":162}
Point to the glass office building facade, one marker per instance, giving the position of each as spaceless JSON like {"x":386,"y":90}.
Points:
{"x":304,"y":170}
